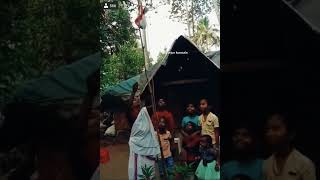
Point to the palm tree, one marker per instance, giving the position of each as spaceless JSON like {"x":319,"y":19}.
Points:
{"x":206,"y":35}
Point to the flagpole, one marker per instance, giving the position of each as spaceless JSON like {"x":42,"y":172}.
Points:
{"x":144,"y":36}
{"x":146,"y":54}
{"x":146,"y":59}
{"x":154,"y":111}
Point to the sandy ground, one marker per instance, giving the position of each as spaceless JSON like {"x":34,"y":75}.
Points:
{"x":117,"y":167}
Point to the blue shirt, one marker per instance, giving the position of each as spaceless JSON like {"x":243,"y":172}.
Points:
{"x":207,"y":154}
{"x":252,"y":169}
{"x":186,"y":119}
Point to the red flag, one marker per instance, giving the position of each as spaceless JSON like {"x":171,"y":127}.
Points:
{"x":140,"y":20}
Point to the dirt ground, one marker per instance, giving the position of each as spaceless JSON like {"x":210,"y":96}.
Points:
{"x":117,"y":167}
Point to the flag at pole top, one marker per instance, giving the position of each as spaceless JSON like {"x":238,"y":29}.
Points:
{"x":140,"y":21}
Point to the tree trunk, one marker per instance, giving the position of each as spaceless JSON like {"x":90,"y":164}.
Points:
{"x":217,"y":10}
{"x":188,"y":19}
{"x":192,"y":17}
{"x":189,"y":29}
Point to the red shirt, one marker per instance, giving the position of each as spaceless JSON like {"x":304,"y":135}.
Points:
{"x":191,"y":144}
{"x":134,"y":112}
{"x":167,"y":116}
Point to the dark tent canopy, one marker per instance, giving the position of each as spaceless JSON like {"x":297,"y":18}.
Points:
{"x":255,"y":38}
{"x":177,"y":53}
{"x":185,"y":75}
{"x":68,"y":82}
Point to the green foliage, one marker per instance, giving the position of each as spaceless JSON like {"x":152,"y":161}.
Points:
{"x":184,"y":169}
{"x":123,"y":59}
{"x":122,"y":65}
{"x":190,"y":11}
{"x":205,"y":35}
{"x":37,"y":36}
{"x":183,"y":10}
{"x":148,"y":173}
{"x":116,"y":28}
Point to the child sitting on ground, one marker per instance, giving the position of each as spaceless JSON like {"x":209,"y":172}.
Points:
{"x":165,"y":141}
{"x":208,"y":168}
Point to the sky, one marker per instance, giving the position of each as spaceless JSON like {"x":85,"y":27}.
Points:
{"x":162,"y":31}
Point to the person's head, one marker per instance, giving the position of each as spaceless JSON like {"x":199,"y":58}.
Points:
{"x":204,"y":105}
{"x":162,"y":125}
{"x":280,"y":131}
{"x":243,"y":139}
{"x":162,"y":103}
{"x":191,"y":110}
{"x":205,"y":141}
{"x":136,"y":101}
{"x":190,"y":128}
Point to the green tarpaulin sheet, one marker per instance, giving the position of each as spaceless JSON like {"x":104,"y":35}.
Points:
{"x":123,"y":88}
{"x":65,"y":83}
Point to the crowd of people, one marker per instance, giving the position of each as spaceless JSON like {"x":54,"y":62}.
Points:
{"x":285,"y":161}
{"x":201,"y":146}
{"x":200,"y":138}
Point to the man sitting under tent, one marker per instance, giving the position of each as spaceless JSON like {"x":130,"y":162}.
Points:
{"x":144,"y":146}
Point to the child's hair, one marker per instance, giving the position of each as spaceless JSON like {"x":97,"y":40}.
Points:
{"x":209,"y":107}
{"x":165,"y":103}
{"x":244,"y":125}
{"x":288,"y":119}
{"x":204,"y":99}
{"x":189,"y":103}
